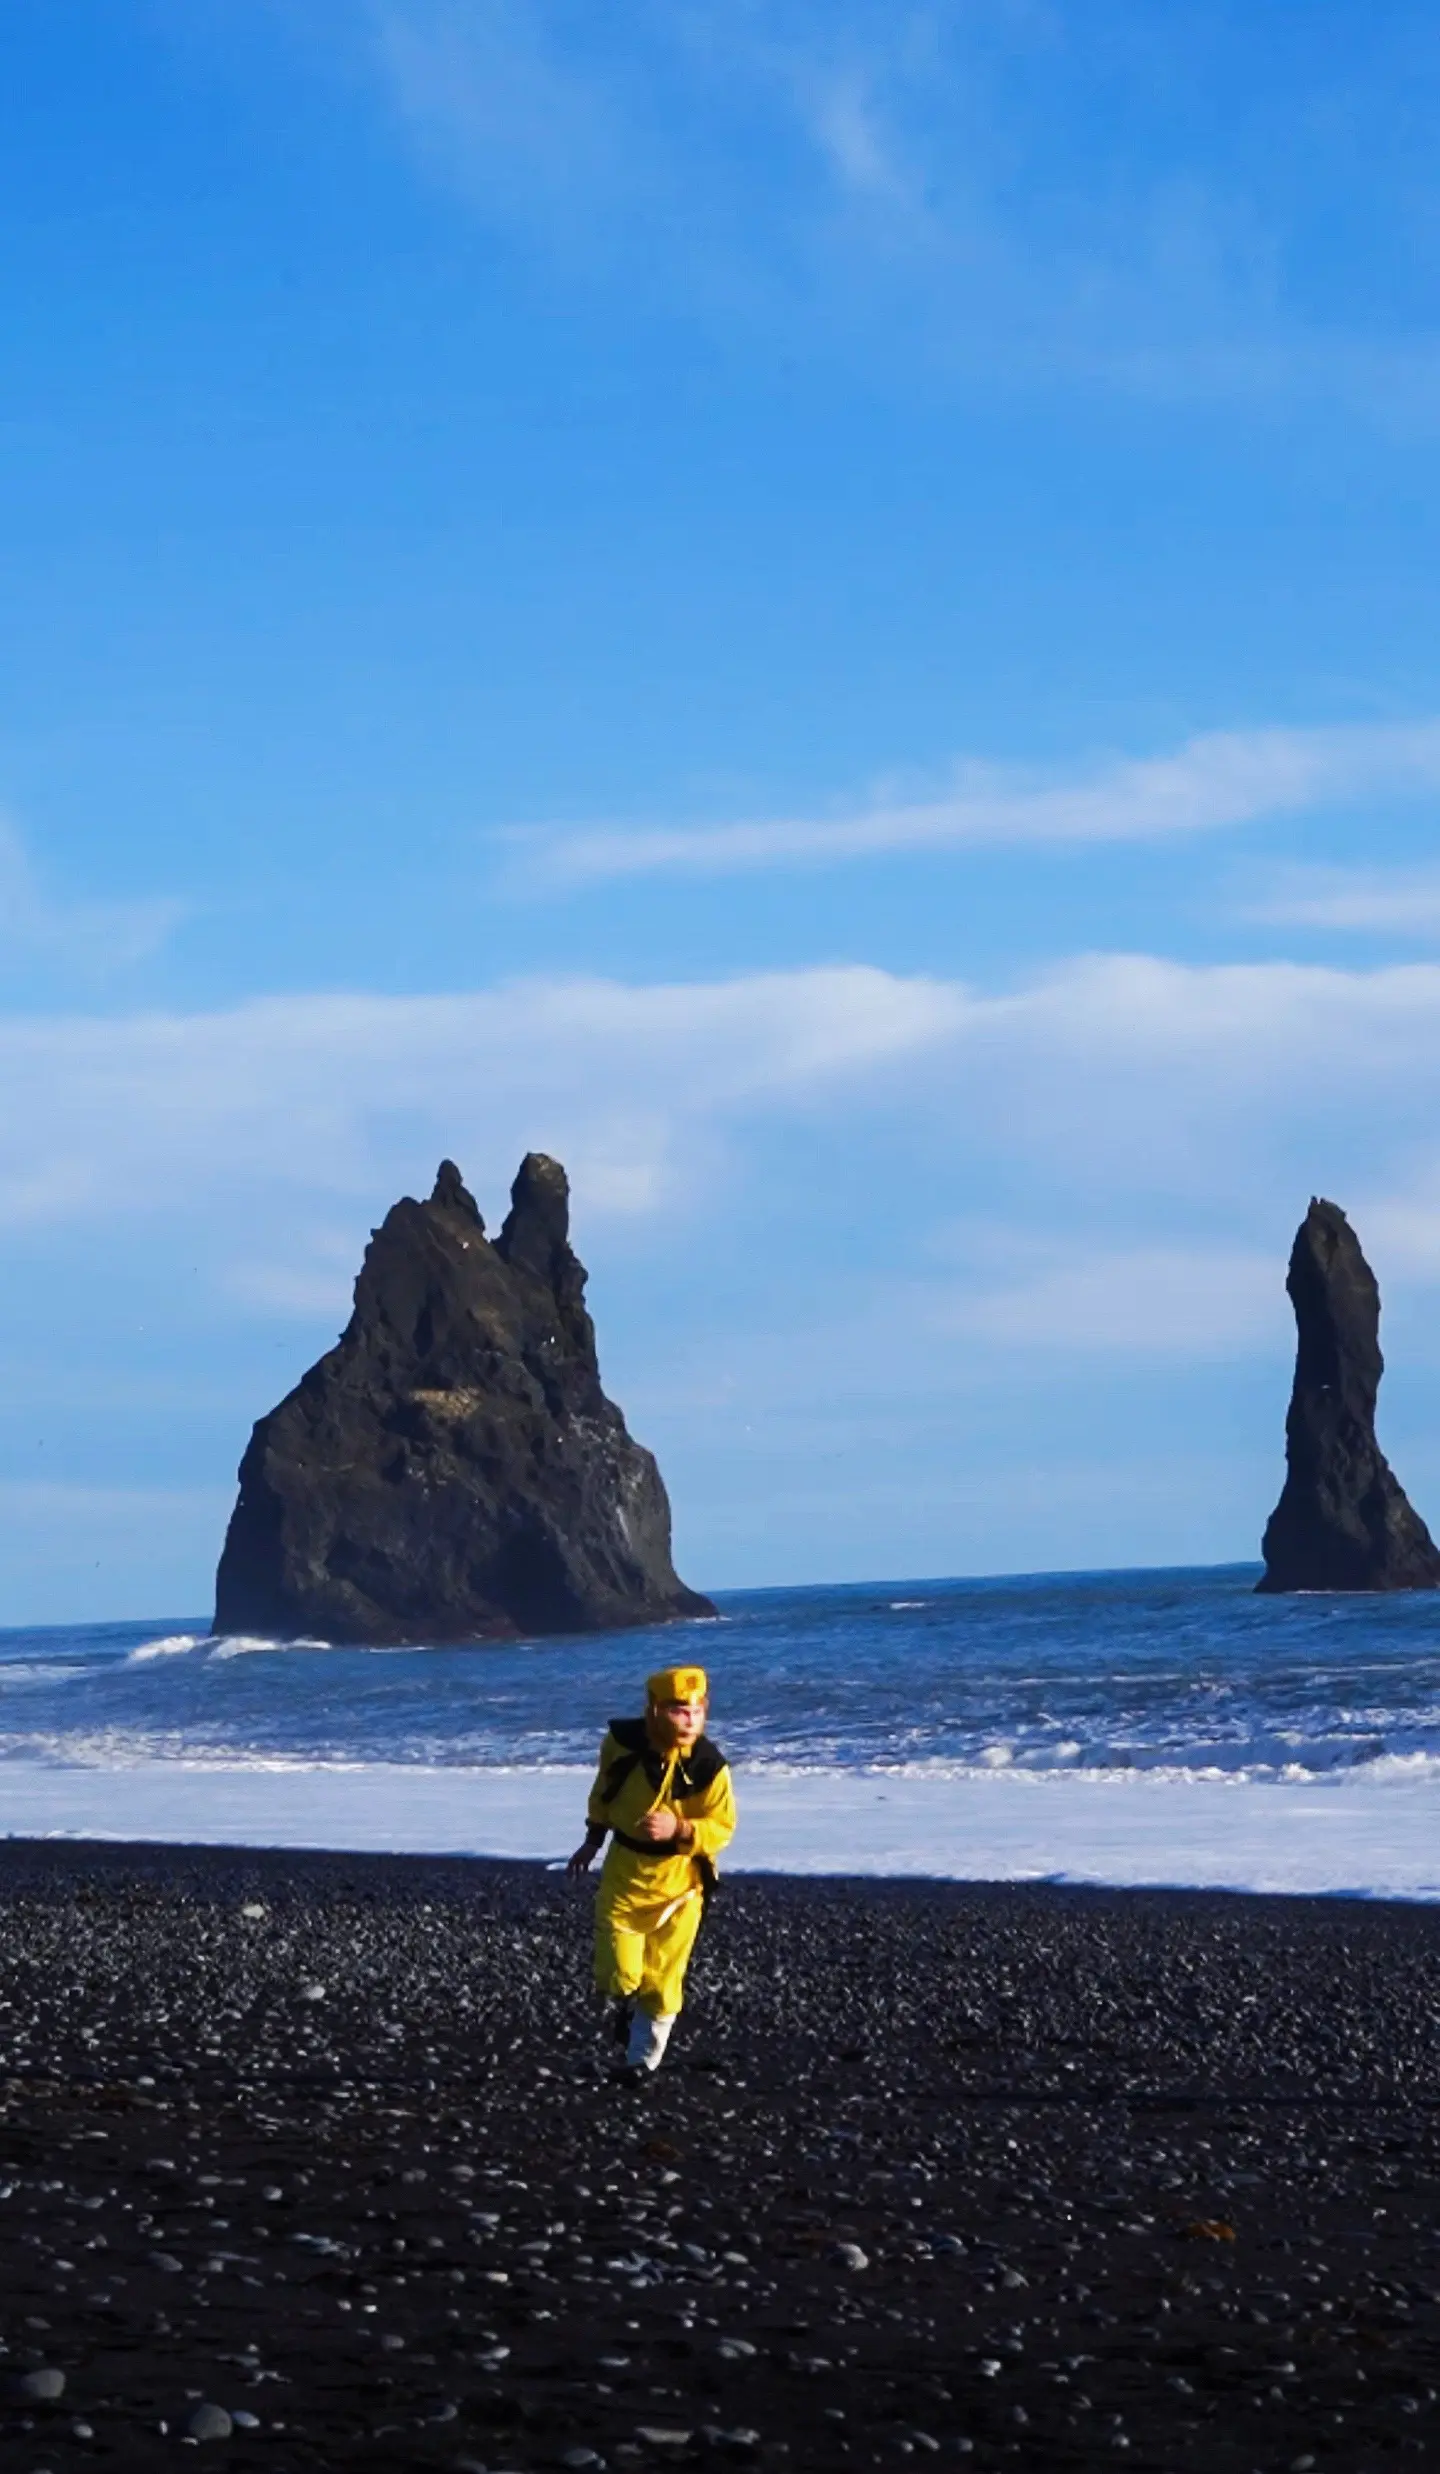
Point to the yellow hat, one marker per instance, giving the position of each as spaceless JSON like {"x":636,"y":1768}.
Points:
{"x":678,"y":1684}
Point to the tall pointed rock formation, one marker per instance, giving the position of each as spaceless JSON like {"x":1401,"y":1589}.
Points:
{"x":451,"y":1470}
{"x":1343,"y":1520}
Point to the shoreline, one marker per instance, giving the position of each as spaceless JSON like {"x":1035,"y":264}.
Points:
{"x":547,"y":1874}
{"x":1344,"y":1835}
{"x":1031,"y":2176}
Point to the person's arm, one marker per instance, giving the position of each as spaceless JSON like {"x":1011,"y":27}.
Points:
{"x":588,"y":1849}
{"x":596,"y":1822}
{"x":710,"y":1825}
{"x":596,"y":1815}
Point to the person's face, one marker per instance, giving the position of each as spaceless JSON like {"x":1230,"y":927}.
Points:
{"x":678,"y":1722}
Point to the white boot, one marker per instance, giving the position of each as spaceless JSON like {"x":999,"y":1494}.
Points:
{"x":648,"y":2039}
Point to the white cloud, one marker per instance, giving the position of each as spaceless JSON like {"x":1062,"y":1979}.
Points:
{"x":975,"y":190}
{"x":860,"y":1242}
{"x":327,"y":1094}
{"x":1155,"y":1073}
{"x":1399,"y":902}
{"x":491,"y":98}
{"x":1217,"y":781}
{"x":1402,"y":1224}
{"x":847,"y":129}
{"x":1171,"y":1121}
{"x":91,"y":938}
{"x":1167,"y":1301}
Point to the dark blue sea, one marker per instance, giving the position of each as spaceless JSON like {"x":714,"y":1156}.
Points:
{"x":1103,"y":1674}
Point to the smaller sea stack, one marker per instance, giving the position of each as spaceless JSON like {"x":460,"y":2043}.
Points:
{"x":451,"y":1470}
{"x":1343,"y":1520}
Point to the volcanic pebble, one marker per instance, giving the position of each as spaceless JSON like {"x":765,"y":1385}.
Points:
{"x":1025,"y":2177}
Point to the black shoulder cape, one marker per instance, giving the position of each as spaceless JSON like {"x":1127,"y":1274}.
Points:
{"x":694,"y":1771}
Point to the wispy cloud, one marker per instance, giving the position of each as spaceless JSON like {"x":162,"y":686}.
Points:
{"x":329,"y":1095}
{"x":998,"y":193}
{"x":1405,"y":1225}
{"x":1140,"y":1087}
{"x":1169,"y":1301}
{"x":1217,"y":781}
{"x":780,"y":1181}
{"x":1385,"y":902}
{"x":494,"y":101}
{"x":88,"y":938}
{"x":848,"y":128}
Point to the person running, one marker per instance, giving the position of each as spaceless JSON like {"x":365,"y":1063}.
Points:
{"x":663,"y":1796}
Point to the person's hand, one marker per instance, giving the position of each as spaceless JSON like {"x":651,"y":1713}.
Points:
{"x":659,"y":1827}
{"x":585,"y":1854}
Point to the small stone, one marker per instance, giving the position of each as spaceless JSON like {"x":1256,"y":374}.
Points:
{"x":45,"y":2387}
{"x":252,"y":1911}
{"x":312,"y":1992}
{"x":209,"y":2422}
{"x":850,"y":2255}
{"x":656,"y":2435}
{"x":578,"y":2459}
{"x":167,"y":2263}
{"x":729,"y":2349}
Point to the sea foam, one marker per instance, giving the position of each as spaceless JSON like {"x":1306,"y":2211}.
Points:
{"x":1337,"y":1837}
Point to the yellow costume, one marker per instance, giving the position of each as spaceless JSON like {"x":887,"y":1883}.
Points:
{"x":652,"y":1897}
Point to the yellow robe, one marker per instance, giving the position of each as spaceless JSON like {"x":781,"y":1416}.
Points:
{"x":648,"y":1910}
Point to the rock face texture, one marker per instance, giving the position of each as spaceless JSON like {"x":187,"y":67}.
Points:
{"x":451,"y":1470}
{"x":1342,"y":1521}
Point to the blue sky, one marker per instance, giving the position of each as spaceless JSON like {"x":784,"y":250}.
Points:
{"x":826,"y":608}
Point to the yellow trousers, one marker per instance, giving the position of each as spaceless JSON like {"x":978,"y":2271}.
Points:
{"x":634,"y":1957}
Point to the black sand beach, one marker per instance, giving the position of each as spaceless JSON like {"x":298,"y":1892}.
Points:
{"x":1042,"y":2177}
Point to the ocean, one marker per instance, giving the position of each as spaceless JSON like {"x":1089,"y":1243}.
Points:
{"x":1164,"y":1726}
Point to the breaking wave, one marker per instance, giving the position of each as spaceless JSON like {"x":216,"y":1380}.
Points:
{"x":1106,"y":1680}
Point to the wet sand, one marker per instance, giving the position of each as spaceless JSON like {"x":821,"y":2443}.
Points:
{"x":324,"y":2147}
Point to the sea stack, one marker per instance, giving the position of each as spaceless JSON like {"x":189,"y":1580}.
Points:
{"x":451,"y":1470}
{"x":1343,"y":1520}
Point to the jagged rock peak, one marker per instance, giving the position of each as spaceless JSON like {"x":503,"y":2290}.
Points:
{"x":539,"y":1215}
{"x":1343,"y":1520}
{"x":535,"y":1242}
{"x":452,"y":1469}
{"x":453,"y":1194}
